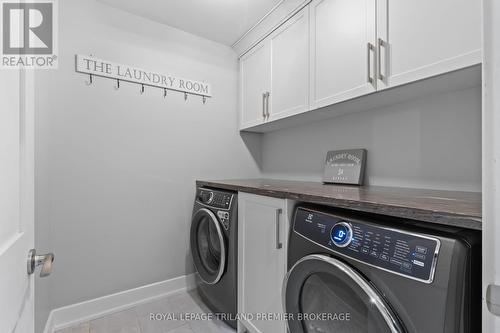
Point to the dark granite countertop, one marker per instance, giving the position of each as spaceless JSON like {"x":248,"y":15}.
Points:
{"x":462,"y":209}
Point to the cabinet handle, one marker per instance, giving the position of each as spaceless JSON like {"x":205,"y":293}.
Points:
{"x":369,"y":50}
{"x":278,"y":243}
{"x":264,"y":106}
{"x":381,"y":43}
{"x":267,"y":103}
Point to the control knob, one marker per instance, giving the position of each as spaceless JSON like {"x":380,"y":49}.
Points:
{"x":206,"y":196}
{"x":341,"y":234}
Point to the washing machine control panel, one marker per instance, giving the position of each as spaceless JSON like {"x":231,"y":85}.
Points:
{"x":408,"y":254}
{"x":215,"y":199}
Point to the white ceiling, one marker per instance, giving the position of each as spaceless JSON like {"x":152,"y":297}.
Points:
{"x":224,"y":21}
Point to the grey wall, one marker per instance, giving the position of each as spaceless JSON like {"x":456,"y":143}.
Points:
{"x":430,"y":142}
{"x":116,"y":170}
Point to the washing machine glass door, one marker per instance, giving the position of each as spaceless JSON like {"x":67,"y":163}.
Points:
{"x":207,"y":246}
{"x":323,"y":294}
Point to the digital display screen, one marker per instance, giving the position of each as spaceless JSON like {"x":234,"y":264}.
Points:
{"x":339,"y":233}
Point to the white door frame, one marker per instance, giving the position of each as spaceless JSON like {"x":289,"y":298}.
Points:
{"x":491,"y":157}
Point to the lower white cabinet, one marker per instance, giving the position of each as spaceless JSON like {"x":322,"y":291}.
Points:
{"x":262,"y":244}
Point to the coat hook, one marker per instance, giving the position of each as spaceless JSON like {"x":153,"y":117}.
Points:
{"x":90,"y":81}
{"x":117,"y":84}
{"x":185,"y":96}
{"x":164,"y":92}
{"x":204,"y":99}
{"x":142,"y":89}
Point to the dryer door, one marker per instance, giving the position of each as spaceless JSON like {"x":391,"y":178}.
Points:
{"x":207,"y":246}
{"x":323,"y":294}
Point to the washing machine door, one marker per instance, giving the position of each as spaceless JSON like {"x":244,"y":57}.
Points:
{"x":323,"y":294}
{"x":207,"y":246}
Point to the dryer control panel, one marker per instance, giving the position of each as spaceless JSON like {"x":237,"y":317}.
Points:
{"x":408,"y":254}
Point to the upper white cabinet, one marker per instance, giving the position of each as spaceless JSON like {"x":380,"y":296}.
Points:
{"x":262,"y":244}
{"x":419,"y":39}
{"x":289,"y":71}
{"x":255,"y":83}
{"x":343,"y":54}
{"x":274,"y":75}
{"x":334,"y":50}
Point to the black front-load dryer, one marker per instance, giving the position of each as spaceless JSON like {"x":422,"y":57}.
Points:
{"x":363,"y":273}
{"x":213,"y":241}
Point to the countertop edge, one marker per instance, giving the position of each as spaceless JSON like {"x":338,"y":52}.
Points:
{"x":430,"y":216}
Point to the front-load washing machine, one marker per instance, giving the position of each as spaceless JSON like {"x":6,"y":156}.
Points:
{"x":213,"y":241}
{"x":365,"y":273}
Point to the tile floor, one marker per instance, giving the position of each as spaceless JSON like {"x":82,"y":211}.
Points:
{"x":136,"y":320}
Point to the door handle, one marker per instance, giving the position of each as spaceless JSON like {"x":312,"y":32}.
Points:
{"x":264,"y":106}
{"x":370,"y":48}
{"x":45,"y":260}
{"x":381,"y":43}
{"x":278,"y":243}
{"x":493,"y":299}
{"x":267,"y":103}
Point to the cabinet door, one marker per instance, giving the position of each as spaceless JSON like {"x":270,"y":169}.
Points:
{"x":342,"y":50}
{"x":262,"y":224}
{"x":290,"y":67}
{"x":255,"y":80}
{"x":423,"y":38}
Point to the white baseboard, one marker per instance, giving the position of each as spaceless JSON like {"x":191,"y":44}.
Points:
{"x":49,"y":325}
{"x":82,"y":312}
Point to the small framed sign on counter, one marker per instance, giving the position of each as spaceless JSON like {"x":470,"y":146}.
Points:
{"x":345,"y":166}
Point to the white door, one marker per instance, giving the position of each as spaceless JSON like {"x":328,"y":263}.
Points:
{"x":16,"y":201}
{"x":342,"y":50}
{"x":262,"y":230}
{"x":290,"y":67}
{"x":426,"y":37}
{"x":255,"y":82}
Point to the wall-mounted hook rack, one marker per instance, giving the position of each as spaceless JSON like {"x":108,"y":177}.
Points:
{"x":122,"y":73}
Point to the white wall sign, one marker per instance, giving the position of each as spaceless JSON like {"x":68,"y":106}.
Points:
{"x":108,"y":69}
